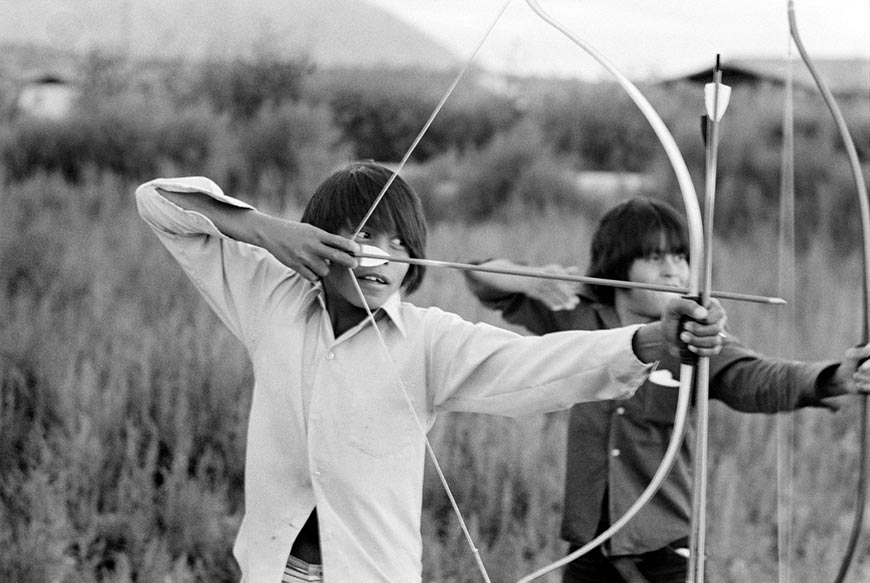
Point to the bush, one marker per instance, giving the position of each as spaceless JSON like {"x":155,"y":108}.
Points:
{"x":286,"y":151}
{"x":119,"y":139}
{"x":381,"y":112}
{"x":32,"y":146}
{"x":516,"y":173}
{"x":243,"y":86}
{"x":597,"y":125}
{"x":279,"y":155}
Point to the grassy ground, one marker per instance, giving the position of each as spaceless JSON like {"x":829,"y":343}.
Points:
{"x":124,"y":403}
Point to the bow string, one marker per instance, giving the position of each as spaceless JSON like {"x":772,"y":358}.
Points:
{"x":696,"y":249}
{"x":786,"y":329}
{"x":370,"y":315}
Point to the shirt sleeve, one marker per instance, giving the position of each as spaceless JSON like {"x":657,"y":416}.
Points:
{"x":515,"y":308}
{"x":753,"y":383}
{"x":484,"y":369}
{"x":241,"y":282}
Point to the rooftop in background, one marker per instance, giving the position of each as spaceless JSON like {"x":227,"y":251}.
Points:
{"x":845,"y":77}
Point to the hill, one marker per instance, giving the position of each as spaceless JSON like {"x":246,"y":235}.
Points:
{"x":330,"y":32}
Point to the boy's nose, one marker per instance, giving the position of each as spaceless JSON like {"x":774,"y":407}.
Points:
{"x":382,"y":241}
{"x":672,"y":263}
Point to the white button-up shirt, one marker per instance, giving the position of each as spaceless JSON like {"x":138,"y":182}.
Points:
{"x":331,"y":423}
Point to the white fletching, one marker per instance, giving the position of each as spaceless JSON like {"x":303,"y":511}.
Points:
{"x":710,"y":97}
{"x":372,"y":261}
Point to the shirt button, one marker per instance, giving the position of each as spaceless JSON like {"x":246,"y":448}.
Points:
{"x":615,"y":452}
{"x":620,"y":411}
{"x":316,"y":474}
{"x":330,"y":355}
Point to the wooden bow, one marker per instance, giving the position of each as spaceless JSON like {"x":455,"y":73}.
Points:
{"x":864,"y":208}
{"x":696,"y":250}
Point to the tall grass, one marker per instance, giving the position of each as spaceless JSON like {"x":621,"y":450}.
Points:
{"x":123,"y":405}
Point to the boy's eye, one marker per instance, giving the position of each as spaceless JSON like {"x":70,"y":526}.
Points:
{"x":397,"y":242}
{"x":364,"y":235}
{"x":659,"y":256}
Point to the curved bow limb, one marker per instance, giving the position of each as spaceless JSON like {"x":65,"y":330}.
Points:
{"x":864,"y":206}
{"x":696,"y":250}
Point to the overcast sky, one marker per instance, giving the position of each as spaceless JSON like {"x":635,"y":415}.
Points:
{"x":641,"y":37}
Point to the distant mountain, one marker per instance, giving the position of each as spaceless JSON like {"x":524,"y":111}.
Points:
{"x":331,"y":32}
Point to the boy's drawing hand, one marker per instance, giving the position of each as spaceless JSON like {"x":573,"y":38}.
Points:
{"x":553,"y":293}
{"x":306,"y":249}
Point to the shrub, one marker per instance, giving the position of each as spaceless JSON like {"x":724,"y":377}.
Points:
{"x":286,"y":151}
{"x":516,"y":173}
{"x":381,"y":111}
{"x":243,"y":86}
{"x":597,"y":125}
{"x":280,"y":155}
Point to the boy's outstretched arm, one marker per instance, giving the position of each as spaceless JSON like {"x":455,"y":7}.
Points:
{"x":555,"y":294}
{"x":703,"y":333}
{"x":303,"y":248}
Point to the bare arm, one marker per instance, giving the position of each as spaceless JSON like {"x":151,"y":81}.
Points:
{"x":304,"y":248}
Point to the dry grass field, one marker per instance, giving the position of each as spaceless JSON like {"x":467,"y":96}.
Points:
{"x":124,"y":403}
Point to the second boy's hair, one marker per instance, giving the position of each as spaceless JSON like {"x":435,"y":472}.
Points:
{"x":344,"y":198}
{"x":632,"y":230}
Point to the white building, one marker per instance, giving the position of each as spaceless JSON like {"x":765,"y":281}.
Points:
{"x":47,"y":96}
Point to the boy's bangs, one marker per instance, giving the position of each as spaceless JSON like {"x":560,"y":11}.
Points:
{"x":390,"y":216}
{"x":384,"y":217}
{"x":664,"y":238}
{"x":658,"y":229}
{"x":369,"y":183}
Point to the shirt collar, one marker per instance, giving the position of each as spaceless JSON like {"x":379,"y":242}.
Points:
{"x":314,"y":293}
{"x":392,"y":307}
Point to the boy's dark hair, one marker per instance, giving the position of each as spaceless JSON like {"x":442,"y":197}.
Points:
{"x":343,"y":199}
{"x":631,"y":230}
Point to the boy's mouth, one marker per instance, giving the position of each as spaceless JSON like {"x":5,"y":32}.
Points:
{"x":374,"y":278}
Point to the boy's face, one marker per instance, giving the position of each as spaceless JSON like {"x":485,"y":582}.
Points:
{"x":377,"y":283}
{"x":660,"y":268}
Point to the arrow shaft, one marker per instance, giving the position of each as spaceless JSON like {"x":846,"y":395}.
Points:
{"x":568,"y":277}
